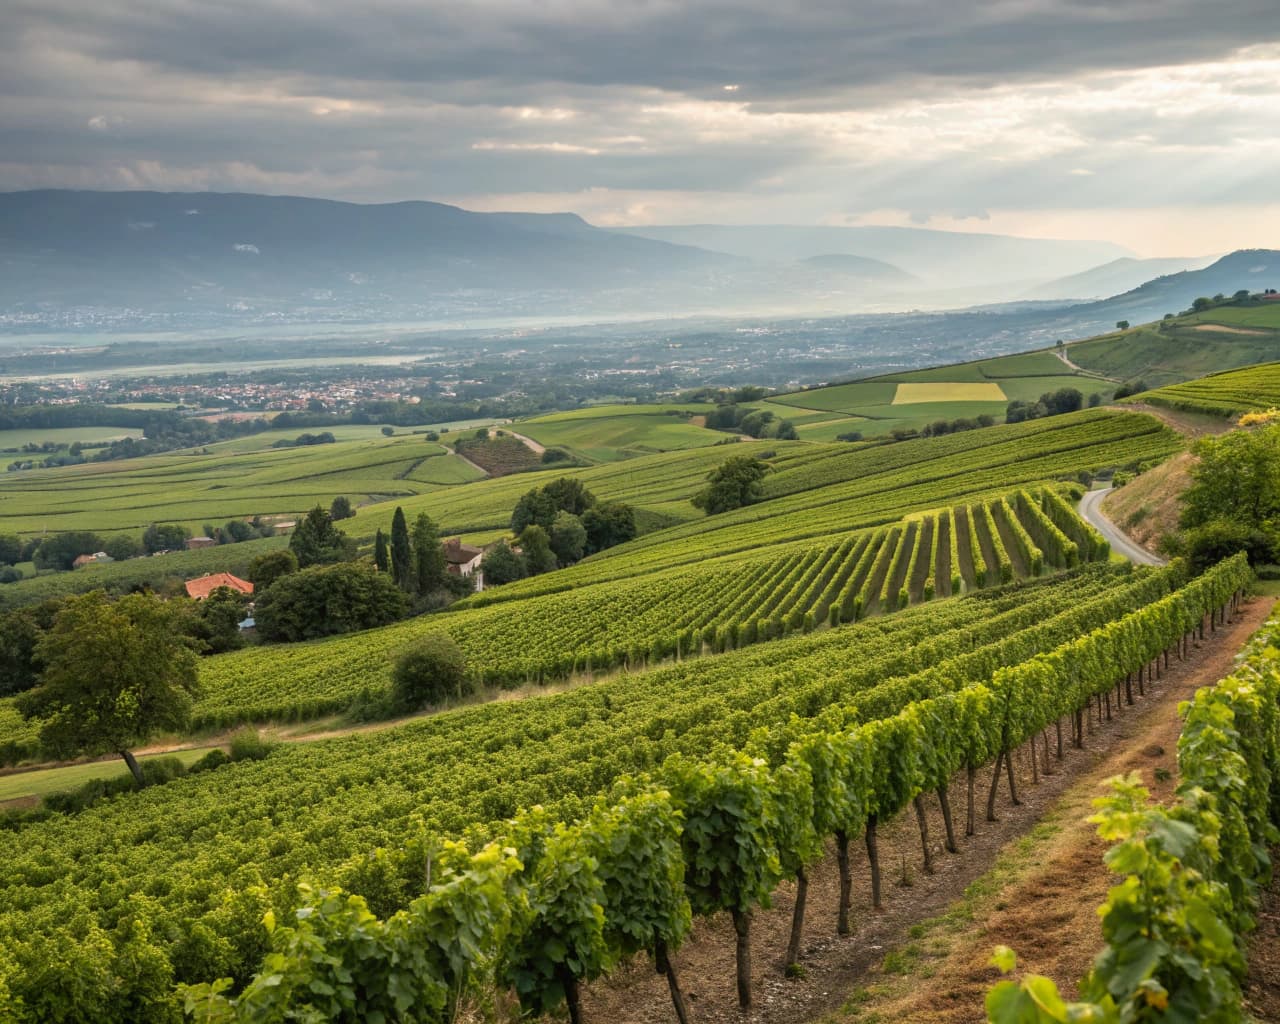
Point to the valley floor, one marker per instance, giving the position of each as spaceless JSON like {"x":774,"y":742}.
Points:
{"x":1032,"y":881}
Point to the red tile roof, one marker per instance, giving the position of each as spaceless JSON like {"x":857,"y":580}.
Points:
{"x":206,"y":585}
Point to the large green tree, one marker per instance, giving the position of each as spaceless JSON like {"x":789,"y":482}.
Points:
{"x":266,"y":569}
{"x":115,"y":673}
{"x":328,"y":599}
{"x":608,"y":524}
{"x":316,"y":541}
{"x":568,"y":538}
{"x":732,"y":484}
{"x":535,"y":544}
{"x":1236,"y":477}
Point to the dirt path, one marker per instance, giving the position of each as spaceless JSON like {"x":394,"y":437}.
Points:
{"x":1090,"y":509}
{"x":908,"y":963}
{"x":1061,"y":353}
{"x":1190,"y":425}
{"x":1262,"y":984}
{"x":528,"y":442}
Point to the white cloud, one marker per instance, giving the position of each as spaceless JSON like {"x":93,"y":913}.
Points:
{"x":247,"y":247}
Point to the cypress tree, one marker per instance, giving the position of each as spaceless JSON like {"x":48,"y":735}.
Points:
{"x":381,"y":558}
{"x":401,"y":552}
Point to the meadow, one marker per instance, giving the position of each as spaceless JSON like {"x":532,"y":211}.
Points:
{"x":611,"y":432}
{"x":1226,"y":394}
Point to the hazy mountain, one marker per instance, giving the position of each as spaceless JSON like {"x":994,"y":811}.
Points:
{"x":946,"y":259}
{"x":859,"y":268}
{"x":215,"y":251}
{"x":1254,"y":269}
{"x":1115,"y":277}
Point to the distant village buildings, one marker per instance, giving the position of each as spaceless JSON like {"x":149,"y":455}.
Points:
{"x":464,"y":560}
{"x":201,"y":587}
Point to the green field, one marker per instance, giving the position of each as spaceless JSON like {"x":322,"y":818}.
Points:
{"x":610,"y":432}
{"x":13,"y":440}
{"x":24,"y":785}
{"x":939,"y":393}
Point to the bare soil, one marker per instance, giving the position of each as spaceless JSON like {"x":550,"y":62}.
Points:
{"x":1262,"y":986}
{"x":1043,"y":905}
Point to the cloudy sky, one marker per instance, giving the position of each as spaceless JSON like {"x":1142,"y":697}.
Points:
{"x":1152,"y":123}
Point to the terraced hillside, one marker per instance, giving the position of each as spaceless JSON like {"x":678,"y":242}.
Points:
{"x":1228,"y":394}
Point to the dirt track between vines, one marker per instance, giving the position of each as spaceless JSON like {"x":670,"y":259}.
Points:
{"x":1043,"y":904}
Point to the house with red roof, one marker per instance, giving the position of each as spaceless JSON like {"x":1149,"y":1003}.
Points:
{"x":199,"y":589}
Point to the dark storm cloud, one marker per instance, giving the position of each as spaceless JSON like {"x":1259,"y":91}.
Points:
{"x":928,"y":106}
{"x":790,"y":53}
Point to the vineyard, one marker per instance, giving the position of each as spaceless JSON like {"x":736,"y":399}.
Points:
{"x":1251,"y":389}
{"x":170,"y":883}
{"x":710,"y":607}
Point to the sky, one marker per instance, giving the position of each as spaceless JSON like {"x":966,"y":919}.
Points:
{"x":1151,"y":123}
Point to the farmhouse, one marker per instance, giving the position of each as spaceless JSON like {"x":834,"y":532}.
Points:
{"x":200,"y":588}
{"x":194,"y":543}
{"x":83,"y":560}
{"x":464,"y":560}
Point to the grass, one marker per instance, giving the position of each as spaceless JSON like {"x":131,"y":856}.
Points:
{"x":23,"y":785}
{"x":13,"y":440}
{"x":609,"y":433}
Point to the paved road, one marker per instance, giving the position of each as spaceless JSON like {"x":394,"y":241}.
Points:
{"x":1091,"y":511}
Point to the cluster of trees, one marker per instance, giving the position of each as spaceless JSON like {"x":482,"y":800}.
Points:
{"x":415,"y":561}
{"x":735,"y":482}
{"x":1051,"y":403}
{"x":554,"y":526}
{"x":752,"y":422}
{"x":306,"y":440}
{"x":940,"y":427}
{"x":1233,"y":503}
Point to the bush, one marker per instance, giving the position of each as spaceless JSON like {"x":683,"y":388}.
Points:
{"x":1206,"y":545}
{"x":247,"y":745}
{"x":216,"y":758}
{"x":430,"y":671}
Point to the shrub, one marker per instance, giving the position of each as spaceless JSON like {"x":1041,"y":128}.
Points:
{"x":430,"y":671}
{"x":247,"y":745}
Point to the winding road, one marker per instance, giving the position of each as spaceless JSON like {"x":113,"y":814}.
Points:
{"x":1091,"y":512}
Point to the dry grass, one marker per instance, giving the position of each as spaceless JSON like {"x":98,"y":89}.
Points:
{"x":980,"y":391}
{"x":1147,"y":507}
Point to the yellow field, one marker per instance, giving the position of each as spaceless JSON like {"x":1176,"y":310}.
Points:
{"x":915,"y":394}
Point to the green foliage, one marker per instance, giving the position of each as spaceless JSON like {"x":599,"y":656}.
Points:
{"x":325,"y":600}
{"x":341,"y":508}
{"x":429,"y":567}
{"x":535,"y":546}
{"x":502,"y":565}
{"x":316,"y":541}
{"x":401,"y":552}
{"x":434,"y":669}
{"x":217,"y":618}
{"x":266,"y":569}
{"x":734,"y":483}
{"x":62,"y":549}
{"x":115,"y":673}
{"x":1236,"y":477}
{"x":164,"y":537}
{"x":568,"y":538}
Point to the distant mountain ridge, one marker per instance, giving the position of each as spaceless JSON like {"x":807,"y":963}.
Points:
{"x":208,"y":250}
{"x":1116,"y":277}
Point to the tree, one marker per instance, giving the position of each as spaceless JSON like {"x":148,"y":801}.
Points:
{"x":237,"y":531}
{"x":1201,"y":304}
{"x":122,"y":547}
{"x":401,"y":551}
{"x":433,"y":669}
{"x":1062,"y":400}
{"x":10,"y":549}
{"x":164,"y":537}
{"x":568,"y":538}
{"x":1236,"y":477}
{"x":536,"y":548}
{"x":316,"y":541}
{"x":62,"y":549}
{"x":429,"y":566}
{"x":381,"y":556}
{"x":388,"y":431}
{"x":534,"y":507}
{"x":341,"y":508}
{"x":734,"y":483}
{"x":266,"y":569}
{"x":568,"y":495}
{"x":115,"y":673}
{"x":502,"y":565}
{"x":1122,"y":325}
{"x":608,"y":524}
{"x":19,"y":668}
{"x":327,"y":599}
{"x":218,"y":618}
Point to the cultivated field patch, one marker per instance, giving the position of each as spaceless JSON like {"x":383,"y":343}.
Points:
{"x":948,"y":391}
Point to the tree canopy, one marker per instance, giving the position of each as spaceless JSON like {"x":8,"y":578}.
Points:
{"x":328,"y":599}
{"x":115,"y":673}
{"x":316,"y":541}
{"x":735,"y":482}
